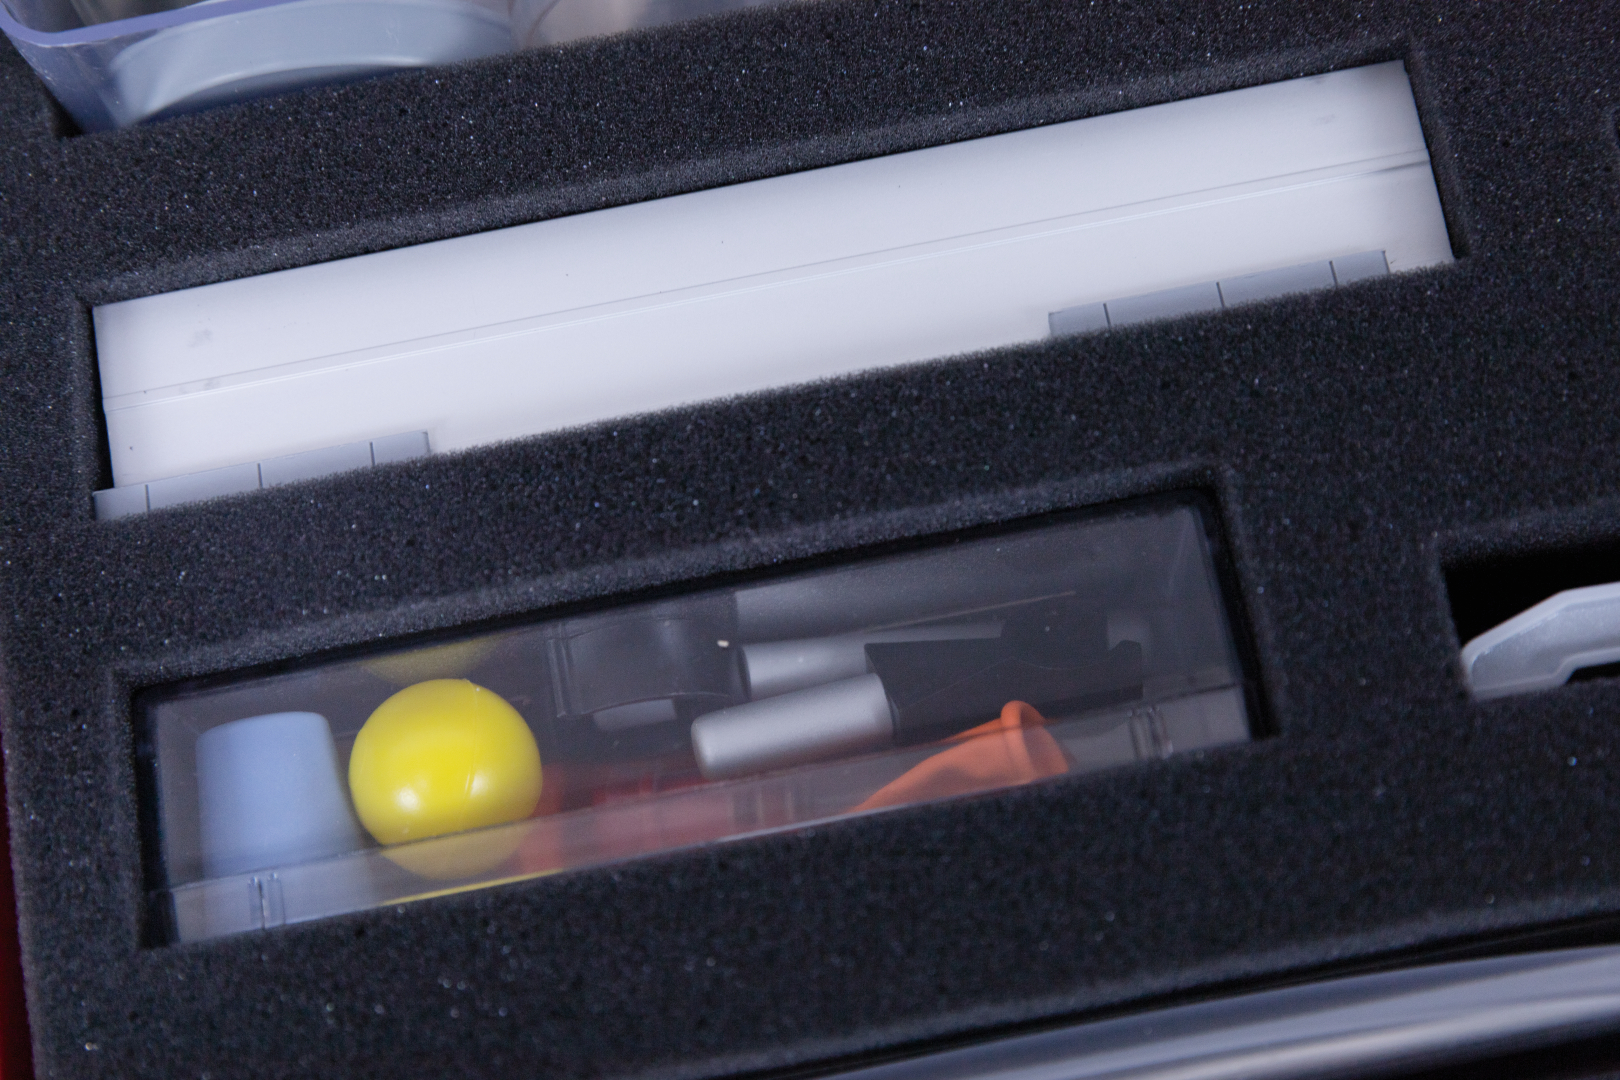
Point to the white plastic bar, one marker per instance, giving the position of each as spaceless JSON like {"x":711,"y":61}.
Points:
{"x":769,"y":283}
{"x":1542,"y":646}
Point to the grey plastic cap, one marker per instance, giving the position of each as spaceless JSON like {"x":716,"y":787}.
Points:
{"x":270,"y":793}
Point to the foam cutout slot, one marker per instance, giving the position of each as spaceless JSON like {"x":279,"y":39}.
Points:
{"x":975,"y":245}
{"x":1073,"y":644}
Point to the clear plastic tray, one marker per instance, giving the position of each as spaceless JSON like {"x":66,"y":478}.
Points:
{"x":962,"y":668}
{"x":112,"y":63}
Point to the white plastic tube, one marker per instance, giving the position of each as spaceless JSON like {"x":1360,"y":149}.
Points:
{"x":781,"y":667}
{"x":851,"y":716}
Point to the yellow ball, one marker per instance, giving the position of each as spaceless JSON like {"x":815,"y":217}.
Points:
{"x":440,"y":757}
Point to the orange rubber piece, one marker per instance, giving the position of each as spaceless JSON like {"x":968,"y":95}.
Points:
{"x":1013,"y":749}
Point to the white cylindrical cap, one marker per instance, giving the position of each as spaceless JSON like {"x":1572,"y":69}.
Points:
{"x":781,"y":667}
{"x":270,"y":793}
{"x":832,"y":720}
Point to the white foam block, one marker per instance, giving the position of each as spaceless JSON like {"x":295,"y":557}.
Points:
{"x":765,"y":284}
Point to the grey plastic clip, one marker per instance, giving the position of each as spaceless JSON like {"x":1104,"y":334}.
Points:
{"x":1270,"y":284}
{"x":1218,"y":295}
{"x":1541,"y":647}
{"x":1367,"y":264}
{"x":1148,"y":734}
{"x":266,"y":905}
{"x":117,"y":502}
{"x":1165,"y":304}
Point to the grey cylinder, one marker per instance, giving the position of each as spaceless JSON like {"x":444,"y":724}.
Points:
{"x":833,"y":720}
{"x":270,"y":793}
{"x":781,"y":667}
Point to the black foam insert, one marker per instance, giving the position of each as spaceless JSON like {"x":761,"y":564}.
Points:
{"x":1355,"y":441}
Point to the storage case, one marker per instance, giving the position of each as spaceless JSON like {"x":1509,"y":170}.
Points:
{"x":1383,"y":470}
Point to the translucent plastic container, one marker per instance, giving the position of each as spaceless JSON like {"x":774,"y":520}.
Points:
{"x":160,"y":62}
{"x":551,"y":22}
{"x":970,"y":666}
{"x":112,"y":63}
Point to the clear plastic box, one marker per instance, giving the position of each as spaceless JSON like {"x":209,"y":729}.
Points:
{"x":972,"y":665}
{"x":112,"y":63}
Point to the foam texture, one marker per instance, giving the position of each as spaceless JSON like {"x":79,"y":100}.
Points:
{"x":1356,"y":442}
